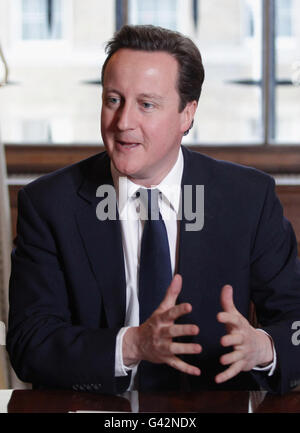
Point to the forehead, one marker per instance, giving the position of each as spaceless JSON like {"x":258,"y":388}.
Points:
{"x":142,"y":69}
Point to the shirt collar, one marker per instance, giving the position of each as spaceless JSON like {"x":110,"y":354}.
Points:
{"x":170,"y":186}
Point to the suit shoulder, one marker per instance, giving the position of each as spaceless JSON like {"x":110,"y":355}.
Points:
{"x":68,"y":178}
{"x":228,"y":172}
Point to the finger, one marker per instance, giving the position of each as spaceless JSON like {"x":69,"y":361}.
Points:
{"x":185,"y":348}
{"x":172,"y":293}
{"x":226,"y":299}
{"x":234,"y":339}
{"x":232,"y":371}
{"x":179,"y":331}
{"x":231,"y":357}
{"x":180,"y":365}
{"x":176,"y":312}
{"x":229,"y":319}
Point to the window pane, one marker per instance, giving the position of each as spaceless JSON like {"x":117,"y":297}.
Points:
{"x":157,"y":12}
{"x":284,"y":17}
{"x":54,"y":91}
{"x":41,"y":19}
{"x":288,"y":71}
{"x":229,"y":38}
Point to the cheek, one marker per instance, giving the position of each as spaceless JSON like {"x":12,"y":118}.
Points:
{"x":106,"y":120}
{"x":159,"y":125}
{"x":102,"y":123}
{"x":165,"y":130}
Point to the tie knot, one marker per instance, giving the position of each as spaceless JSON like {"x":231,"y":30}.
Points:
{"x":149,"y":198}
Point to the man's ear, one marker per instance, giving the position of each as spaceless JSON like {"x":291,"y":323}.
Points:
{"x":188,"y":115}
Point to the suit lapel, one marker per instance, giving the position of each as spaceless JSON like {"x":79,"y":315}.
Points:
{"x":103,"y":243}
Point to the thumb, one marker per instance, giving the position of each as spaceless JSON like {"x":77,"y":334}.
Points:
{"x":226,"y":299}
{"x":172,"y":294}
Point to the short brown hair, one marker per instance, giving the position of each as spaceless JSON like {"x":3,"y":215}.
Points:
{"x":152,"y":38}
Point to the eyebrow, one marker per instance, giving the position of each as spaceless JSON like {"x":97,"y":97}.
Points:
{"x":111,"y":90}
{"x":152,"y":96}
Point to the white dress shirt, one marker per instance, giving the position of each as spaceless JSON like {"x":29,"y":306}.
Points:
{"x":132,"y":228}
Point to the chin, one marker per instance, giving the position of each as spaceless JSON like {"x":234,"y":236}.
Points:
{"x":126,"y":169}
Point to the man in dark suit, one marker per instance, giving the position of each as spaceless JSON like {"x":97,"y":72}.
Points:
{"x":75,"y":293}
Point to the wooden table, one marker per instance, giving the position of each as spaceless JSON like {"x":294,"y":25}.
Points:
{"x":52,"y":401}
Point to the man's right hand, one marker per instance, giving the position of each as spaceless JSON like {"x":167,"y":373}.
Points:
{"x":152,"y":340}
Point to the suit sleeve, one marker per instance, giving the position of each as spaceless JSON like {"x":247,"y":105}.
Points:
{"x":44,"y":346}
{"x":276,"y":289}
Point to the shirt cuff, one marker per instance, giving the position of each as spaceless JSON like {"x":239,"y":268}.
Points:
{"x":270,"y":368}
{"x":120,"y":368}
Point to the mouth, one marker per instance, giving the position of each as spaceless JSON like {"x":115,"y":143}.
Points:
{"x":127,"y":145}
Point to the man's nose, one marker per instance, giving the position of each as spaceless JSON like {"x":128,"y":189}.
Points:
{"x":126,"y":117}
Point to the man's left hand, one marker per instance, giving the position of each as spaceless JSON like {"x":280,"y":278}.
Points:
{"x":251,"y":347}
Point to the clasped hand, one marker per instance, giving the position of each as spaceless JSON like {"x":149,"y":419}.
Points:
{"x":153,"y":340}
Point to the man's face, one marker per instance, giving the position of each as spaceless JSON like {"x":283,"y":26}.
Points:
{"x":140,"y":121}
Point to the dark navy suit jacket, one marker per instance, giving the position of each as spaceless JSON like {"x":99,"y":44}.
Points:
{"x":67,"y":289}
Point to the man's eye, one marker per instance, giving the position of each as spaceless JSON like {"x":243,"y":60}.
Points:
{"x":112,"y":100}
{"x":147,"y":105}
